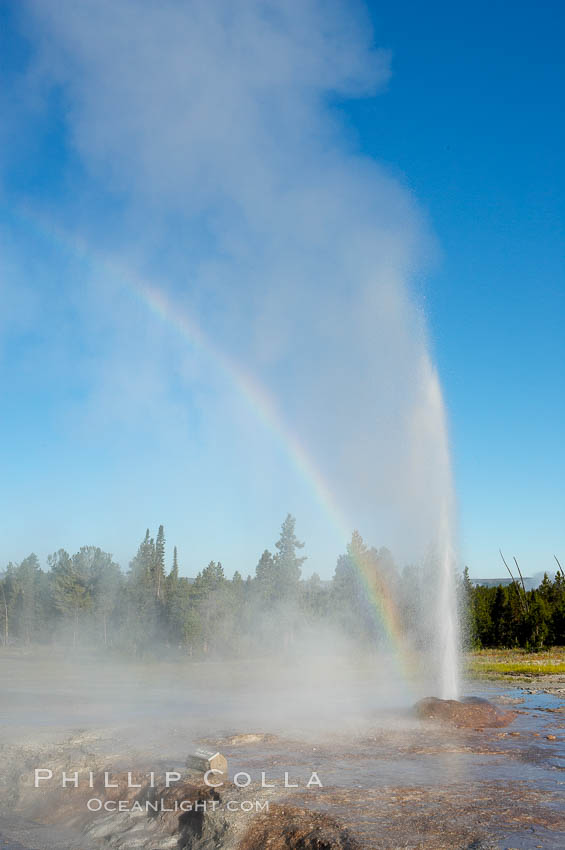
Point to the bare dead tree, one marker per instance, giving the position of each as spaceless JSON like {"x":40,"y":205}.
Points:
{"x":558,"y":564}
{"x":523,"y":585}
{"x":515,"y":583}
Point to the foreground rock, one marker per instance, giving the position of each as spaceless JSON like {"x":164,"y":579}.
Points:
{"x":150,"y":815}
{"x":209,"y":824}
{"x":471,"y":712}
{"x":291,"y":828}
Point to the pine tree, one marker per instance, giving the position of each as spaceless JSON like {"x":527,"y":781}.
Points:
{"x":142,"y":614}
{"x":546,"y":589}
{"x":356,"y":548}
{"x":5,"y":612}
{"x":8,"y":593}
{"x":159,"y":563}
{"x":212,"y":577}
{"x":348,"y":600}
{"x":172,"y":580}
{"x":27,"y":580}
{"x":210,"y":601}
{"x":174,"y":602}
{"x":466,"y":612}
{"x":237,"y":587}
{"x":558,"y":613}
{"x":266,"y":578}
{"x":141,"y":566}
{"x":288,"y":564}
{"x":71,"y":590}
{"x":315,"y":596}
{"x":105,"y":581}
{"x":236,"y":599}
{"x":482,"y":615}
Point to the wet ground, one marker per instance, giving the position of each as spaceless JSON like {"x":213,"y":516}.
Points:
{"x":421,"y":785}
{"x":394,"y":781}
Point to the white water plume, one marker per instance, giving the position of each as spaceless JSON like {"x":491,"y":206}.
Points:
{"x":432,"y":428}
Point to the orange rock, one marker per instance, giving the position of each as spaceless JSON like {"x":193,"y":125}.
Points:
{"x":472,"y":712}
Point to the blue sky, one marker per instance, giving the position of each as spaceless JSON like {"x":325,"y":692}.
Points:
{"x":112,"y":422}
{"x":474,"y":122}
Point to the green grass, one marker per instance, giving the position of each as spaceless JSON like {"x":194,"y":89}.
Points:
{"x":516,"y":662}
{"x":516,"y":669}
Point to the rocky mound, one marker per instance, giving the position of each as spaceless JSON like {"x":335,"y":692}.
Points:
{"x":291,"y":828}
{"x":249,"y":738}
{"x":471,"y":712}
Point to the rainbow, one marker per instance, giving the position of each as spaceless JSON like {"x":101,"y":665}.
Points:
{"x":257,"y":399}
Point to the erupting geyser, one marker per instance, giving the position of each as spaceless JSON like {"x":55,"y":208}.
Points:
{"x":448,"y":630}
{"x":434,"y":463}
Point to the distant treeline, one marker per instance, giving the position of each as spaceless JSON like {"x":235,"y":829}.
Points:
{"x":509,"y":616}
{"x":86,"y":600}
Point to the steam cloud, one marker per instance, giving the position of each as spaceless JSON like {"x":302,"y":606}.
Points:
{"x":209,"y":132}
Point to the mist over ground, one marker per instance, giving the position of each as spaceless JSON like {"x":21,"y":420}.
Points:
{"x":371,"y":616}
